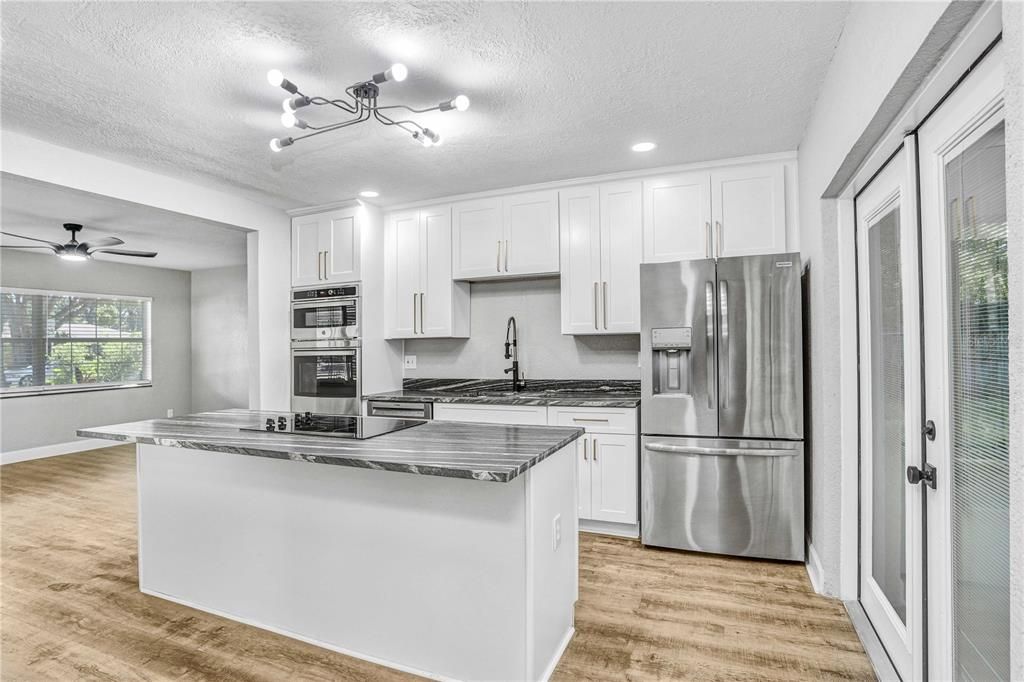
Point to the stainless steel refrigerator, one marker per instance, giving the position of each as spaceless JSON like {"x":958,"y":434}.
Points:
{"x":722,"y":459}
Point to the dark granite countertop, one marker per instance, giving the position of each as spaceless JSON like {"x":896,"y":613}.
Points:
{"x":485,"y":452}
{"x":559,"y":392}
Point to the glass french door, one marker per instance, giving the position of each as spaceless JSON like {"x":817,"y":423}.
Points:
{"x":891,"y":573}
{"x":966,"y":296}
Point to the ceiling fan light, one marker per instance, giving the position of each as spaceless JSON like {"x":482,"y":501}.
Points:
{"x":73,"y":257}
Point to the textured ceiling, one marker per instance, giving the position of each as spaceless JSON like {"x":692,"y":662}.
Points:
{"x":39,"y":209}
{"x":558,"y":90}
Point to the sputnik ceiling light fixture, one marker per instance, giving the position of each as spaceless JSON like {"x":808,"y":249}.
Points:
{"x":361,"y":101}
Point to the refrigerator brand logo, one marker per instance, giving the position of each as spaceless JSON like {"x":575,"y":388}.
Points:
{"x":783,"y":263}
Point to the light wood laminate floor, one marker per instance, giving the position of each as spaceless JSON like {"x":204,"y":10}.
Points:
{"x":70,"y":606}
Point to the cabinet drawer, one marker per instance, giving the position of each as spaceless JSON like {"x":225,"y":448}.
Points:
{"x":594,"y":420}
{"x":492,"y":414}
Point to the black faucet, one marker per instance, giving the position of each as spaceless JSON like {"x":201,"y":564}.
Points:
{"x":512,"y":352}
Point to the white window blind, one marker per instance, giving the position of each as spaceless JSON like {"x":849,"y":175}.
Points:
{"x":57,"y":341}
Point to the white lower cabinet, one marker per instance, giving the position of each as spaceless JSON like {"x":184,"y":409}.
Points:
{"x":607,"y":454}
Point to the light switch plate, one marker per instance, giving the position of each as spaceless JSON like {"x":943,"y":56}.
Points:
{"x":170,"y":413}
{"x":556,"y":534}
{"x":410,"y":362}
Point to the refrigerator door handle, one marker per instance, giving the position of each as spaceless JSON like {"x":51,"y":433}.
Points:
{"x":709,"y":340}
{"x":726,"y":452}
{"x":723,"y":291}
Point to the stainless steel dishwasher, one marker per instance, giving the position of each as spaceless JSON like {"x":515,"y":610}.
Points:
{"x":405,"y":409}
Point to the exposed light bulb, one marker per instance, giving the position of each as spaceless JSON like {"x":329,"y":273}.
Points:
{"x":461,"y":102}
{"x":279,"y":143}
{"x":292,"y":104}
{"x":277,"y":79}
{"x":369,"y":193}
{"x":290,"y":120}
{"x":423,"y":139}
{"x":434,"y":137}
{"x":397,"y":73}
{"x":643,"y":146}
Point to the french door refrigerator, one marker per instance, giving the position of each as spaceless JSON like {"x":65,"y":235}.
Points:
{"x":722,"y":458}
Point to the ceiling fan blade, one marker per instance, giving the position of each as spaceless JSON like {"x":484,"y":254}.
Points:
{"x":21,"y":236}
{"x":27,"y":246}
{"x":125,"y":252}
{"x":102,"y":241}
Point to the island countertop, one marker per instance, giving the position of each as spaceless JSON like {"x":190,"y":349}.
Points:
{"x":485,"y":452}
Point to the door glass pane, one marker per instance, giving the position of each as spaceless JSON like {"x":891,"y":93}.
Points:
{"x":888,"y":524}
{"x":976,"y":216}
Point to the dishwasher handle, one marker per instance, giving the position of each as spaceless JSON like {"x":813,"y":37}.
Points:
{"x":720,"y":452}
{"x":388,"y":408}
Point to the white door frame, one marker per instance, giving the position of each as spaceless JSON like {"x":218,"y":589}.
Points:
{"x":894,"y":188}
{"x":970,"y":111}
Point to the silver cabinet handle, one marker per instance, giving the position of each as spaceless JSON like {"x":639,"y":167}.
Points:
{"x":723,"y":291}
{"x":709,"y":340}
{"x":323,"y":256}
{"x":584,"y":449}
{"x":595,"y":305}
{"x":506,"y":255}
{"x":724,"y":452}
{"x":718,"y":233}
{"x":421,"y":313}
{"x":319,"y":266}
{"x":590,"y":419}
{"x":604,"y":303}
{"x":327,"y":259}
{"x":594,"y":446}
{"x":707,"y":239}
{"x":414,"y":314}
{"x":497,"y":263}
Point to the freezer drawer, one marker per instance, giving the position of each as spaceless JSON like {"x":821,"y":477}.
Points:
{"x":739,"y":497}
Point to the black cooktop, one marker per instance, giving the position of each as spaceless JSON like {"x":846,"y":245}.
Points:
{"x":334,"y":425}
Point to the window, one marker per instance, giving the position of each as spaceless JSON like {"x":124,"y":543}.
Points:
{"x":56,"y":341}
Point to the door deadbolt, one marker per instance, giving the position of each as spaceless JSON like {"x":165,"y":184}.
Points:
{"x":929,"y":430}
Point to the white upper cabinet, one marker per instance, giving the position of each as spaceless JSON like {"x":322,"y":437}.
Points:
{"x":509,"y":236}
{"x":677,"y":217}
{"x":728,"y":211}
{"x":748,"y":204}
{"x":531,"y":234}
{"x":424,"y":301}
{"x":325,"y":248}
{"x":601,"y":237}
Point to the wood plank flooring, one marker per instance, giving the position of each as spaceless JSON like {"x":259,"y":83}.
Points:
{"x":70,"y":607}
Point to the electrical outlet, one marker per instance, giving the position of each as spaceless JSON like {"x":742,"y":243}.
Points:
{"x":410,"y":362}
{"x":170,"y":413}
{"x":556,"y":535}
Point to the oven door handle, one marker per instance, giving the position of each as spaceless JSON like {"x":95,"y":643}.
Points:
{"x":336,"y":303}
{"x":324,"y":351}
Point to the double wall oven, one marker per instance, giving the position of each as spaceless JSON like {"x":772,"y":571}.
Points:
{"x":326,"y":350}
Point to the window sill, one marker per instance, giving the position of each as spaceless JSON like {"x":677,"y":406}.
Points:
{"x":33,"y":391}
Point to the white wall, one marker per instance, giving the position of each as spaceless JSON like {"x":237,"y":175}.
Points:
{"x":269,"y":244}
{"x":879,"y":40}
{"x":33,"y":421}
{"x":544,"y":353}
{"x":220,"y":339}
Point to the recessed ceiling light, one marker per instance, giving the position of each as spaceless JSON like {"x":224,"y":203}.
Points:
{"x":643,"y":146}
{"x":369,"y":194}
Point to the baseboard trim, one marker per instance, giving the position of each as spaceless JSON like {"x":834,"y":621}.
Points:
{"x":559,"y":652}
{"x":80,"y":445}
{"x":622,"y":530}
{"x":813,"y":565}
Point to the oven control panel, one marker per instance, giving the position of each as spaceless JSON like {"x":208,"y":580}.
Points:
{"x":343,"y":290}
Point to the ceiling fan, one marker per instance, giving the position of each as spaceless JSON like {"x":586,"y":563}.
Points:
{"x":75,"y":250}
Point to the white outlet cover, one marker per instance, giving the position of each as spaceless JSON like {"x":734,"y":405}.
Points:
{"x":170,"y":413}
{"x":410,"y":362}
{"x":556,"y":536}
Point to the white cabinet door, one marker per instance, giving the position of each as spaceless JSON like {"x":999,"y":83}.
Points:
{"x":614,"y":483}
{"x":491,"y":414}
{"x":307,"y":263}
{"x":580,"y":260}
{"x":436,"y":305}
{"x":340,"y":239}
{"x":621,"y":238}
{"x":477,"y":239}
{"x":749,"y":208}
{"x":531,"y":234}
{"x":583,"y":483}
{"x":402,"y":272}
{"x":677,"y":217}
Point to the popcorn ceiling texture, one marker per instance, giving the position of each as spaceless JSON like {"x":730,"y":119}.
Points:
{"x":558,"y":90}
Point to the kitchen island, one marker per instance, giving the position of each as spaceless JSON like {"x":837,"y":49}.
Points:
{"x":447,"y":549}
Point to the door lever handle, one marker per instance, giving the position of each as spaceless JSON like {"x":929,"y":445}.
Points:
{"x":928,"y":475}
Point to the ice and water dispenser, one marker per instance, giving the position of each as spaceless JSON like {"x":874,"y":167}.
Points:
{"x":670,"y":348}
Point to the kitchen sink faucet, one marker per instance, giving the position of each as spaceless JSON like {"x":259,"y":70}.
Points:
{"x":512,"y":351}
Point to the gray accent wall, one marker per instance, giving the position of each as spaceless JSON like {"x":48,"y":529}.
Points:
{"x":544,"y":352}
{"x":220,"y":342}
{"x":33,"y":421}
